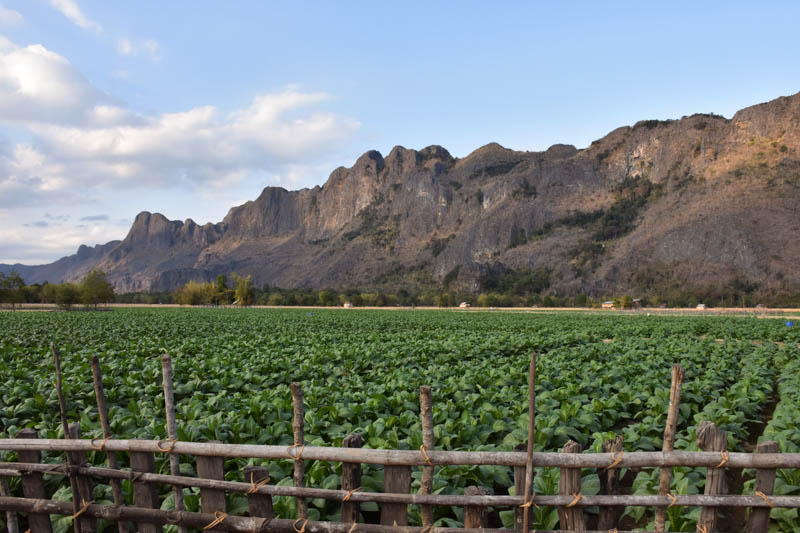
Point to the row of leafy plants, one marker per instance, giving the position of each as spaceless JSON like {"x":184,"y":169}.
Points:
{"x":361,"y":371}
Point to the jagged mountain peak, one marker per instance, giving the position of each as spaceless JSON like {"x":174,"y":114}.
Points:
{"x":702,"y":201}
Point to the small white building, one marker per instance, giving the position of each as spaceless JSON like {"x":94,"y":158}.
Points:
{"x":348,"y":305}
{"x":464,"y":305}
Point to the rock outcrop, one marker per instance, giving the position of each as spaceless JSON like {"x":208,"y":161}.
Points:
{"x":703,"y":201}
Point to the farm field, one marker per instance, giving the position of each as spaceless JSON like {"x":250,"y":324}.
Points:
{"x":598,"y":376}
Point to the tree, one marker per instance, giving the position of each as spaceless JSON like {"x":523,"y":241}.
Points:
{"x":222,"y":294}
{"x":49,"y":293}
{"x":96,"y":289}
{"x":12,"y":288}
{"x":67,"y":295}
{"x":194,"y":293}
{"x":244,"y":291}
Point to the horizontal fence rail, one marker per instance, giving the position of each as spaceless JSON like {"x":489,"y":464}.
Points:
{"x":238,"y":523}
{"x":415,"y":458}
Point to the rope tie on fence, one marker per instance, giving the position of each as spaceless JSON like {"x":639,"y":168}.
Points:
{"x":530,"y":502}
{"x":352,"y":528}
{"x":577,"y":496}
{"x":614,"y":530}
{"x":725,"y":456}
{"x":255,"y":486}
{"x":84,"y":506}
{"x":135,"y":476}
{"x":617,"y":460}
{"x":299,"y":454}
{"x":427,"y":529}
{"x":764,"y":497}
{"x":56,"y":468}
{"x":219,"y":517}
{"x":102,"y":445}
{"x":173,"y":520}
{"x":302,"y":528}
{"x":702,"y":529}
{"x":169,"y":448}
{"x":425,"y":455}
{"x":673,"y":498}
{"x":350,"y":493}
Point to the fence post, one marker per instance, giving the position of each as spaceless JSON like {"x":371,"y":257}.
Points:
{"x":569,"y":484}
{"x":145,"y":495}
{"x":667,"y":445}
{"x":519,"y":487}
{"x":609,"y":484}
{"x":396,"y":480}
{"x":211,"y":500}
{"x":33,"y":484}
{"x":88,"y":524}
{"x":765,"y":483}
{"x":298,"y":430}
{"x":259,"y":505}
{"x":712,"y":439}
{"x":475,"y":516}
{"x":12,"y":526}
{"x":351,"y":480}
{"x":426,"y":483}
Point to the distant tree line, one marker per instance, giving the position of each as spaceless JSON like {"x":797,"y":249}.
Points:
{"x":92,"y":291}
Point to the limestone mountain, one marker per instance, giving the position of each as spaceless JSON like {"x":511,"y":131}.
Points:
{"x":703,"y":201}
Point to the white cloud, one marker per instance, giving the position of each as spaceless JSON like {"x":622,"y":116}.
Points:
{"x":37,"y":85}
{"x":83,"y":141}
{"x":9,"y":16}
{"x":125,"y":47}
{"x":149,"y":47}
{"x":70,"y":9}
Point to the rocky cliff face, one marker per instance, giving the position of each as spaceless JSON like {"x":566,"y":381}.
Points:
{"x":703,"y":201}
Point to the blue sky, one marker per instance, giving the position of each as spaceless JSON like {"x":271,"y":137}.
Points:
{"x":109,"y":108}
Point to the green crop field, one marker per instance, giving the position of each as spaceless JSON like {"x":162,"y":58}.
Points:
{"x":598,"y":375}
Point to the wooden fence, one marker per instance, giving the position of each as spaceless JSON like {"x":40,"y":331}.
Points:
{"x":146,"y":515}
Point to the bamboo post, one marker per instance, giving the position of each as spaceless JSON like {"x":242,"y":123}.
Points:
{"x":519,"y":488}
{"x":211,"y":500}
{"x":711,"y":438}
{"x":664,"y":478}
{"x":102,"y":412}
{"x":396,"y":480}
{"x":33,"y":484}
{"x":609,"y":484}
{"x":526,"y":511}
{"x":426,"y":483}
{"x":62,"y":411}
{"x":258,"y":504}
{"x":475,"y":516}
{"x":11,"y":517}
{"x":297,"y":448}
{"x":85,"y":486}
{"x":145,"y":495}
{"x":765,"y":483}
{"x":172,"y":429}
{"x":569,"y":484}
{"x":351,"y":480}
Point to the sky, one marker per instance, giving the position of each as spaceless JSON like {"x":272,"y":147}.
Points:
{"x":190,"y":107}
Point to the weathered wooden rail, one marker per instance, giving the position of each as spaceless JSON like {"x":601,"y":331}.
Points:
{"x":34,"y":508}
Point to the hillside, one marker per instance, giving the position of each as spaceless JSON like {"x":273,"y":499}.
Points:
{"x":701,"y":202}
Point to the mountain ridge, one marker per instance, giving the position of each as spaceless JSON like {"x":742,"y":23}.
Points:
{"x":703,"y":201}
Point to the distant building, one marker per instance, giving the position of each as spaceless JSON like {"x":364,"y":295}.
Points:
{"x":463,"y":305}
{"x":608,"y":304}
{"x":348,"y":305}
{"x":701,"y":306}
